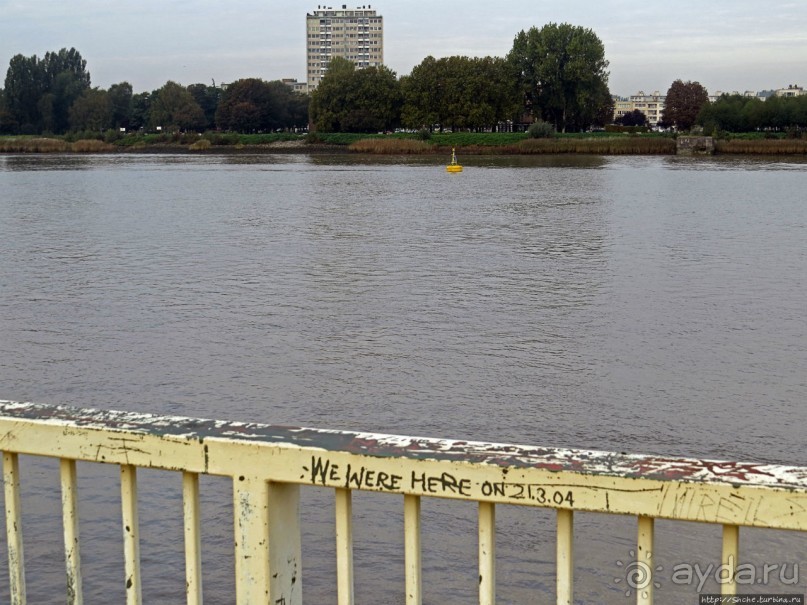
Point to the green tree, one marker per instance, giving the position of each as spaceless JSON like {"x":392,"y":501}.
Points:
{"x":753,"y":113}
{"x":249,"y":105}
{"x":540,"y":130}
{"x":351,"y":100}
{"x":684,"y":102}
{"x":376,"y":101}
{"x":770,"y":114}
{"x":729,"y":112}
{"x":561,"y":71}
{"x":633,"y":118}
{"x":141,"y":109}
{"x":605,"y":107}
{"x":46,"y":106}
{"x":501,"y":89}
{"x":786,"y":113}
{"x":252,"y":105}
{"x":66,"y":78}
{"x":121,"y":103}
{"x":7,"y":123}
{"x":280,"y":99}
{"x":596,"y":109}
{"x":800,"y":111}
{"x":65,"y":61}
{"x":735,"y":113}
{"x":174,"y":108}
{"x":298,"y":110}
{"x":24,"y":87}
{"x":91,"y":111}
{"x":331,"y":95}
{"x":40,"y":92}
{"x":459,"y":93}
{"x":422,"y":93}
{"x":208,"y":98}
{"x":289,"y":108}
{"x":65,"y":89}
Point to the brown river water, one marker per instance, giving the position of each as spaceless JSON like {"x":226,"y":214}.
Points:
{"x":647,"y":305}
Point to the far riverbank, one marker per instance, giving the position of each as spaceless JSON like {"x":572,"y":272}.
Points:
{"x":394,"y":144}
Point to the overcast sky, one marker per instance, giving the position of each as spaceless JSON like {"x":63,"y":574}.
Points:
{"x":724,"y":44}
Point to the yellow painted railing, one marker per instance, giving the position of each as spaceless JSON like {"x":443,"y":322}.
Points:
{"x":268,"y":464}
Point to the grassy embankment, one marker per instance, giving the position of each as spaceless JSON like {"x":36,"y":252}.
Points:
{"x":518,"y":144}
{"x":48,"y":145}
{"x":112,"y":141}
{"x":761,"y":146}
{"x":400,"y":143}
{"x":600,"y":143}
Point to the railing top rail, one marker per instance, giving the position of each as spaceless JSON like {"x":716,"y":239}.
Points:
{"x":504,"y":456}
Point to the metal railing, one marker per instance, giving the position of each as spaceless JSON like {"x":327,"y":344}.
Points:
{"x":268,"y":464}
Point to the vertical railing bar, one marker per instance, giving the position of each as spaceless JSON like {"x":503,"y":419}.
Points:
{"x":72,"y":547}
{"x":193,"y":538}
{"x":16,"y":556}
{"x":131,"y":534}
{"x":412,"y":550}
{"x":731,"y":552}
{"x":487,"y":553}
{"x":251,"y":511}
{"x":644,"y":561}
{"x":344,"y":546}
{"x":565,"y":557}
{"x":285,"y":544}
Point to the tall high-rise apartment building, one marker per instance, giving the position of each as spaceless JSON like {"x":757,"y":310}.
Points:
{"x":353,"y":34}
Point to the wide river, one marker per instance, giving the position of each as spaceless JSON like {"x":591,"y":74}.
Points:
{"x":647,"y":305}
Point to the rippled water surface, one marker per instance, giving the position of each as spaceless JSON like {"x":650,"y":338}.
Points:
{"x":650,"y":305}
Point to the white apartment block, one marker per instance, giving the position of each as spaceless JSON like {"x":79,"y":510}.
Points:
{"x":353,"y":34}
{"x":296,"y":86}
{"x":791,"y":91}
{"x":652,"y":106}
{"x":621,"y":107}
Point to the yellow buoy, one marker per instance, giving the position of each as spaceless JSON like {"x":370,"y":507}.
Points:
{"x":453,"y":166}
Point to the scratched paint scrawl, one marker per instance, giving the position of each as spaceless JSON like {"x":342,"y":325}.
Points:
{"x":325,"y":472}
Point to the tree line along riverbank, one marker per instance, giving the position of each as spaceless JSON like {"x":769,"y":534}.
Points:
{"x":601,"y":143}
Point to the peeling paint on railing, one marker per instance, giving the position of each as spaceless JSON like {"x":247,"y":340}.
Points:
{"x":415,"y":448}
